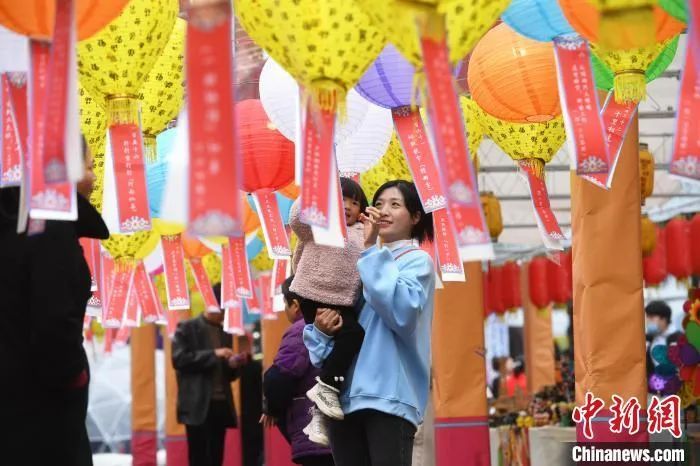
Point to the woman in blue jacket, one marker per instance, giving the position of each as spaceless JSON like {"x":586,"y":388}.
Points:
{"x":387,"y":387}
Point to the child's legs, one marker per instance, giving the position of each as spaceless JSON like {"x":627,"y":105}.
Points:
{"x":347,"y":343}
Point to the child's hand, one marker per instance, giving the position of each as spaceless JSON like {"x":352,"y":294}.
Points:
{"x":267,"y":421}
{"x":328,"y":321}
{"x":371,"y":222}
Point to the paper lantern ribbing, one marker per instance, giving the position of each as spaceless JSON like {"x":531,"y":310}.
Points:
{"x":514,"y":78}
{"x":36,"y":18}
{"x":162,"y":93}
{"x":279,"y":94}
{"x":654,"y":265}
{"x":496,"y":289}
{"x":511,"y":286}
{"x":362,"y":150}
{"x":326,"y":46}
{"x":268,"y":157}
{"x":390,"y":81}
{"x":540,"y":20}
{"x":392,"y":166}
{"x":559,"y":281}
{"x":677,"y":248}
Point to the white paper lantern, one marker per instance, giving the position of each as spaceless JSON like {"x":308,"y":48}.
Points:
{"x":176,"y":196}
{"x":368,"y":144}
{"x":279,"y":95}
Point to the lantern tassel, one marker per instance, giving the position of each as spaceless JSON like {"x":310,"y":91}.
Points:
{"x":418,"y":89}
{"x":624,"y":29}
{"x":537,"y":166}
{"x":329,"y":96}
{"x":149,"y":148}
{"x":630,"y":86}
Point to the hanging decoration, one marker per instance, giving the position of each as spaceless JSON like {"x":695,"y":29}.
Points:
{"x":195,"y":252}
{"x":492,"y":212}
{"x":511,"y":286}
{"x":362,"y":150}
{"x":13,"y":104}
{"x":646,"y":171}
{"x":538,"y":285}
{"x":685,"y":160}
{"x":654,"y":265}
{"x":648,"y":236}
{"x":496,"y":289}
{"x":694,"y":233}
{"x":677,"y":234}
{"x":559,"y":282}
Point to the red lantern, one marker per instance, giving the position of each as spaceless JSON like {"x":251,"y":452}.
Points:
{"x":655,"y":270}
{"x":694,"y":238}
{"x":488,"y":308}
{"x":496,"y":274}
{"x":268,"y":157}
{"x":558,"y":280}
{"x":678,"y":248}
{"x":511,"y":285}
{"x":537,"y":282}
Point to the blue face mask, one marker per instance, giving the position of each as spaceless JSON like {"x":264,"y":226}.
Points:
{"x":652,"y":328}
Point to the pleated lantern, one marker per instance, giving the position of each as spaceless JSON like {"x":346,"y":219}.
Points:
{"x":630,"y":63}
{"x":648,"y":236}
{"x":694,"y":232}
{"x":558,"y":280}
{"x":268,"y":157}
{"x":162,"y":94}
{"x":513,"y":78}
{"x":654,"y":265}
{"x":510,"y":284}
{"x":363,"y":149}
{"x":646,"y":171}
{"x":537,"y":283}
{"x":492,"y":213}
{"x":36,"y":18}
{"x":496,"y":284}
{"x":678,"y":248}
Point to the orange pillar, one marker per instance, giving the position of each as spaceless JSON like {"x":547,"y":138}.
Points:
{"x":144,"y":421}
{"x":539,"y":343}
{"x":233,"y":451}
{"x":277,"y":451}
{"x":459,"y":373}
{"x":609,"y":344}
{"x":175,"y":436}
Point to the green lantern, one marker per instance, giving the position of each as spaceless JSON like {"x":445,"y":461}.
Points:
{"x":604,"y":75}
{"x":676,"y":8}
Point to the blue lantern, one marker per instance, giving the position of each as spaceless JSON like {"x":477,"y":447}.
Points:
{"x":157,"y":172}
{"x":540,"y":20}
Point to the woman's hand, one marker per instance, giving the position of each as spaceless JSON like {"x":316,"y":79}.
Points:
{"x":371,"y":222}
{"x":267,"y":421}
{"x":328,"y":321}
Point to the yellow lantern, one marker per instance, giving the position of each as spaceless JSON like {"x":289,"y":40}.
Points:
{"x":492,"y":212}
{"x":162,"y":94}
{"x":127,"y":248}
{"x":262,"y":262}
{"x":392,"y":166}
{"x":93,"y":124}
{"x":646,"y":171}
{"x":648,"y":236}
{"x":474,"y":124}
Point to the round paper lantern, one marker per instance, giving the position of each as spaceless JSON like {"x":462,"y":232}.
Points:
{"x":268,"y":157}
{"x":474,"y":124}
{"x":496,"y":285}
{"x":390,"y":81}
{"x":514,"y":78}
{"x":678,"y":248}
{"x":540,"y":20}
{"x":537,"y":282}
{"x":36,"y":18}
{"x":279,"y":94}
{"x":326,"y":46}
{"x":558,"y":281}
{"x":694,"y":233}
{"x":492,"y":213}
{"x":511,"y":286}
{"x":162,"y":94}
{"x":362,"y":150}
{"x":392,"y":166}
{"x":648,"y":236}
{"x":93,"y":125}
{"x":605,"y":77}
{"x":676,"y":8}
{"x":646,"y":171}
{"x":129,"y":247}
{"x":654,"y":265}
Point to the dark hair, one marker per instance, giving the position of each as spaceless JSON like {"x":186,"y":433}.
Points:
{"x":216,"y":288}
{"x":658,"y":308}
{"x":289,"y":296}
{"x":518,"y":366}
{"x":423,"y":230}
{"x":353,"y":190}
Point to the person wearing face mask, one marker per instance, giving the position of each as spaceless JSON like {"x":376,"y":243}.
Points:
{"x":659,"y":330}
{"x":386,"y":389}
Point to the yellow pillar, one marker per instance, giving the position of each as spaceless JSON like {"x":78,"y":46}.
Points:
{"x":539,"y":343}
{"x":144,"y":420}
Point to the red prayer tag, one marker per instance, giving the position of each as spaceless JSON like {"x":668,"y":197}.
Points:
{"x":105,"y":285}
{"x":10,"y":148}
{"x":546,"y":221}
{"x":175,"y":272}
{"x":148,"y":299}
{"x":233,"y":319}
{"x":685,"y":161}
{"x":451,"y":267}
{"x":318,"y":152}
{"x":204,"y":285}
{"x":264,"y":285}
{"x":253,"y":302}
{"x":241,"y":272}
{"x":119,"y":296}
{"x":273,"y":226}
{"x":131,"y":315}
{"x":89,"y":246}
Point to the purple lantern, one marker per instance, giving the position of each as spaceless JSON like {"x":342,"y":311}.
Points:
{"x":389,"y":81}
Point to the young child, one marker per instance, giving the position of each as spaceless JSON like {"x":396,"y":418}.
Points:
{"x":285,"y":385}
{"x":327,"y":277}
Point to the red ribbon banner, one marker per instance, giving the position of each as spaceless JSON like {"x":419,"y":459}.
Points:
{"x":10,"y":147}
{"x":88,"y":245}
{"x":264,"y":285}
{"x":106,"y":276}
{"x":214,"y":163}
{"x":133,"y":308}
{"x":241,"y":271}
{"x":151,"y":310}
{"x":316,"y":172}
{"x":420,"y":158}
{"x":685,"y":161}
{"x":233,"y":319}
{"x":272,"y":224}
{"x":253,"y":302}
{"x":118,"y":296}
{"x":175,"y":272}
{"x":546,"y":221}
{"x":451,"y":267}
{"x":579,"y":99}
{"x":204,"y":284}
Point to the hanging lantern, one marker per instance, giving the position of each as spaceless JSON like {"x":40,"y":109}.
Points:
{"x":694,"y":235}
{"x":510,"y":284}
{"x":540,"y":20}
{"x":558,"y":280}
{"x":646,"y":171}
{"x":162,"y":94}
{"x":93,"y":124}
{"x":496,"y":284}
{"x":392,"y":166}
{"x":36,"y":19}
{"x":514,"y":78}
{"x":475,"y":129}
{"x":365,"y":147}
{"x":648,"y":236}
{"x":678,"y":248}
{"x":492,"y":211}
{"x":538,"y":283}
{"x":654,"y":265}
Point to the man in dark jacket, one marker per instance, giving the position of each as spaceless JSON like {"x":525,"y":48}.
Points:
{"x":205,"y":366}
{"x":44,"y":289}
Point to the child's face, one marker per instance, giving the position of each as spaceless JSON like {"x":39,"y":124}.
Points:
{"x":352,"y":210}
{"x":291,"y":310}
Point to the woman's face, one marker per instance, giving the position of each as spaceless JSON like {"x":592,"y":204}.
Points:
{"x":395,"y":221}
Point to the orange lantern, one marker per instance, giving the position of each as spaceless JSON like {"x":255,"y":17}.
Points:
{"x":678,"y":248}
{"x":36,"y":18}
{"x":655,"y":270}
{"x":514,"y":78}
{"x":558,"y":279}
{"x":585,"y":18}
{"x":537,"y":282}
{"x":510,"y":284}
{"x":694,"y":238}
{"x":251,"y":222}
{"x":268,"y":157}
{"x":193,"y":247}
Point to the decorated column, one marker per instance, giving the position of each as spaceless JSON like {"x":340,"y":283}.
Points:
{"x":539,"y":344}
{"x":144,"y":419}
{"x":459,"y":373}
{"x":608,"y":297}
